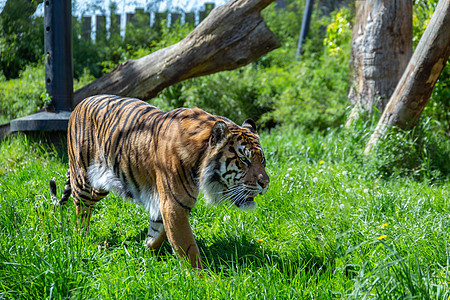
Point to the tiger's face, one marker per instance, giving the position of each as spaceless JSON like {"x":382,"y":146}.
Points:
{"x":236,"y":169}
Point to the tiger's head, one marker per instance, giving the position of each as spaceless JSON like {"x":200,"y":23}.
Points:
{"x":234,"y":170}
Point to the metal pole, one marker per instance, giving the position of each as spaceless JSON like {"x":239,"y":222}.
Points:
{"x":58,"y":53}
{"x":305,"y":26}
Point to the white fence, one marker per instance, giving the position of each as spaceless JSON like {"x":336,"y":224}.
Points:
{"x":94,"y":26}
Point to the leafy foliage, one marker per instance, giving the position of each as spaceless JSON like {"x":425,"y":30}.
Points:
{"x":26,"y":94}
{"x":421,"y":153}
{"x":338,"y":32}
{"x":21,"y":96}
{"x":101,"y":55}
{"x":21,"y":37}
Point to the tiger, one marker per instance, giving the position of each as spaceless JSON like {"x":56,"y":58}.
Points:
{"x":161,"y":160}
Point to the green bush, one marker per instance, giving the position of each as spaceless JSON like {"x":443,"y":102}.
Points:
{"x":21,"y":37}
{"x":26,"y":94}
{"x":234,"y":94}
{"x":21,"y":96}
{"x":421,"y":153}
{"x":102,"y":55}
{"x":310,"y":93}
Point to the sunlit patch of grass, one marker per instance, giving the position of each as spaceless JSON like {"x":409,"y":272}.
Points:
{"x":326,"y":228}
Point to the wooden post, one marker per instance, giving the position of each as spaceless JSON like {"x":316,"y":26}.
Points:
{"x":58,"y":53}
{"x":207,"y":8}
{"x":414,"y":89}
{"x":189,"y":18}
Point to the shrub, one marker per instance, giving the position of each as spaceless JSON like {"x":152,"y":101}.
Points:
{"x":21,"y":96}
{"x":26,"y":94}
{"x":421,"y":153}
{"x":312,"y":93}
{"x":21,"y":37}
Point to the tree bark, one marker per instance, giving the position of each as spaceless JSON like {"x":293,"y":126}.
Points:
{"x":414,"y":89}
{"x":381,"y":48}
{"x":232,"y":36}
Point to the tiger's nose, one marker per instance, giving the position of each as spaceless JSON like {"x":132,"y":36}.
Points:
{"x":263,"y":180}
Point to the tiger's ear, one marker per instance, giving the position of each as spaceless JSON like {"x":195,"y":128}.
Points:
{"x":250,"y":125}
{"x":219,"y":133}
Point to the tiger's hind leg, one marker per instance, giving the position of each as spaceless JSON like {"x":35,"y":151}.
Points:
{"x":156,"y":234}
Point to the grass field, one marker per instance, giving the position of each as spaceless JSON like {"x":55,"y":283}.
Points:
{"x":332,"y":225}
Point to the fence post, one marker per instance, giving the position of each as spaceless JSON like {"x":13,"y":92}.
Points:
{"x":305,"y":26}
{"x":58,"y":53}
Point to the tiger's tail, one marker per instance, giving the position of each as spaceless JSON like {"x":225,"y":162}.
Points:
{"x":66,"y":193}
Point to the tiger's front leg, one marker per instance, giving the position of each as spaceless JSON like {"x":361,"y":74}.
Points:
{"x":179,"y":232}
{"x":156,"y":234}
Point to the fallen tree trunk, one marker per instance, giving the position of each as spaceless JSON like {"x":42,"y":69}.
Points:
{"x":414,"y":89}
{"x":232,"y":36}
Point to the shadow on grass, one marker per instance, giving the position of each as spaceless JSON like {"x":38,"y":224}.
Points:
{"x":227,"y":255}
{"x":50,"y":142}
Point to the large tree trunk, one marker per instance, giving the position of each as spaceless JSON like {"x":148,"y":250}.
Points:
{"x":232,"y":36}
{"x":414,"y":89}
{"x":381,"y":48}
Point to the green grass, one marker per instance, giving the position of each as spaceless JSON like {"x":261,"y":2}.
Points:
{"x":332,"y":225}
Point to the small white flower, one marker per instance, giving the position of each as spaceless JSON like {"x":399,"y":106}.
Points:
{"x":291,"y":178}
{"x":366,"y":191}
{"x":315,"y":179}
{"x":226,"y":218}
{"x":347,"y":190}
{"x":289,"y":169}
{"x":287,"y":176}
{"x":341,"y":206}
{"x":344,"y":173}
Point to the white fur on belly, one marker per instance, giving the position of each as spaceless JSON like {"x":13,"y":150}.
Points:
{"x":102,"y":177}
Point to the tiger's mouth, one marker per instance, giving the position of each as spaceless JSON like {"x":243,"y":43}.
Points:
{"x":246,"y":203}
